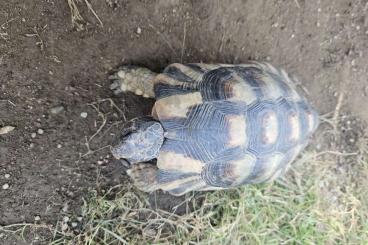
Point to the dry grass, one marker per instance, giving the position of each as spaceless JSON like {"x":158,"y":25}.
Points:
{"x":318,"y":202}
{"x":77,"y":20}
{"x":322,"y":200}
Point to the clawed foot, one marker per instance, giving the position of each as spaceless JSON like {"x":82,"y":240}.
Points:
{"x":144,"y":176}
{"x":138,"y":80}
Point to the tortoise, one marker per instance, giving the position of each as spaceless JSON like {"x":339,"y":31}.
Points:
{"x":213,"y":126}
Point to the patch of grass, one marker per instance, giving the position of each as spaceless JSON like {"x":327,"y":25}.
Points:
{"x":316,"y":203}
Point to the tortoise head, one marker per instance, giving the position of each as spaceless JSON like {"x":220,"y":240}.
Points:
{"x":140,"y":141}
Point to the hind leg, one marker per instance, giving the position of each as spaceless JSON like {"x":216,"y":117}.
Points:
{"x":138,"y":80}
{"x":144,"y":176}
{"x":147,"y":177}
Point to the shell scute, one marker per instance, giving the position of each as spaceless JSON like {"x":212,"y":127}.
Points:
{"x":232,"y":124}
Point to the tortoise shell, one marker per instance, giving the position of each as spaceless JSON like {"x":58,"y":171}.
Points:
{"x":228,"y":125}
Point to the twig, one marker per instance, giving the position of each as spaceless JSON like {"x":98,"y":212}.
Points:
{"x":40,"y":42}
{"x":89,"y":6}
{"x":4,"y":35}
{"x":112,"y":104}
{"x":336,"y":153}
{"x":89,"y":151}
{"x":103,"y":124}
{"x":9,"y":101}
{"x":297,"y":3}
{"x":104,"y":120}
{"x":77,"y":19}
{"x":222,"y":42}
{"x":183,"y":43}
{"x":8,"y":21}
{"x":21,"y":226}
{"x":337,"y":109}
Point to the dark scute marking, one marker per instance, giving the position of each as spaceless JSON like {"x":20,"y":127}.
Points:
{"x":167,"y":176}
{"x":196,"y":68}
{"x":215,"y":175}
{"x":177,"y":74}
{"x":253,"y":77}
{"x":286,"y":90}
{"x":303,"y":109}
{"x":219,"y":172}
{"x":206,"y":116}
{"x":254,"y":116}
{"x":230,"y":107}
{"x":214,"y":84}
{"x":258,"y":170}
{"x":165,"y":90}
{"x":173,"y":124}
{"x":285,"y":109}
{"x":202,"y":135}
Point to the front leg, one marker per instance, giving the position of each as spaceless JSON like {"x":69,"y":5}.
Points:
{"x":138,"y":80}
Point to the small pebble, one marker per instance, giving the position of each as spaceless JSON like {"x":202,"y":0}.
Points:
{"x":74,"y":224}
{"x":37,"y":218}
{"x":121,"y":74}
{"x":5,"y":186}
{"x":139,"y":30}
{"x":7,"y":176}
{"x":64,"y":227}
{"x":79,"y":219}
{"x":59,"y":146}
{"x":65,"y":207}
{"x":149,"y":232}
{"x":31,"y":145}
{"x":57,"y":109}
{"x":6,"y":129}
{"x":33,"y":135}
{"x":40,"y":131}
{"x":138,"y":92}
{"x":66,"y":219}
{"x":99,"y":162}
{"x":84,"y":114}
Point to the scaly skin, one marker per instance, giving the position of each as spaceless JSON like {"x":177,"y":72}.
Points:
{"x":138,"y":80}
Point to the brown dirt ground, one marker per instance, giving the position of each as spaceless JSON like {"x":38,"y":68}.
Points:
{"x":46,"y":62}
